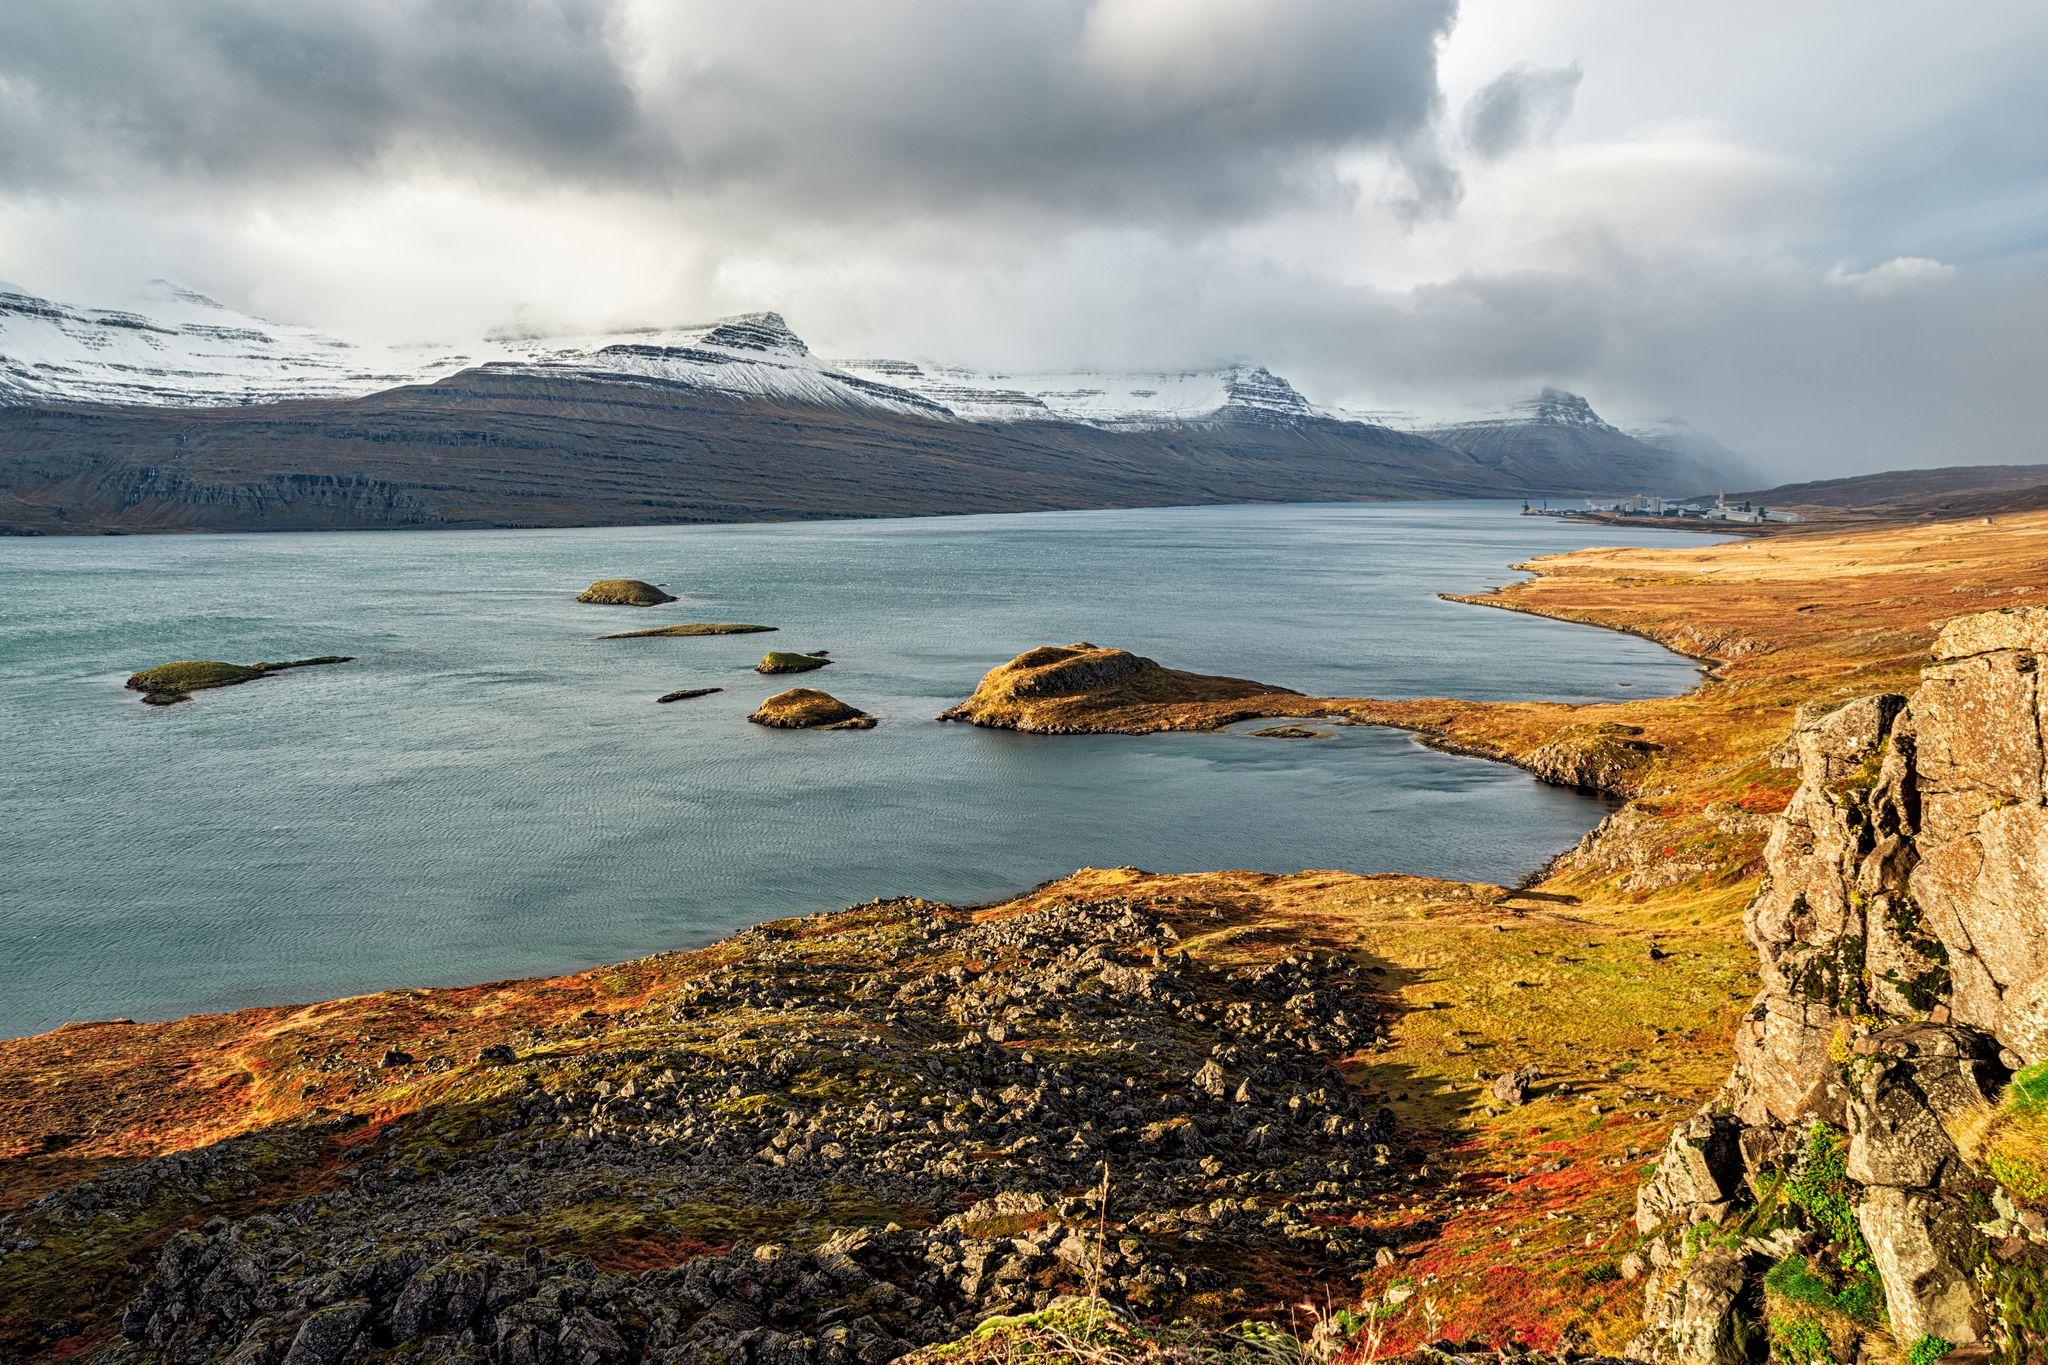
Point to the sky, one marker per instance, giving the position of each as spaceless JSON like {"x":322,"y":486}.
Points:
{"x":1817,"y":231}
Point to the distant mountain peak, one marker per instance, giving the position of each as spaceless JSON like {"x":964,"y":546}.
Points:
{"x":161,"y":293}
{"x":1561,"y":406}
{"x":766,"y":332}
{"x":1256,"y":392}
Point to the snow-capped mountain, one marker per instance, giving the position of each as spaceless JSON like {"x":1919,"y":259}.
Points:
{"x":1097,"y":398}
{"x":1555,"y":436}
{"x":752,"y":355}
{"x":177,"y":347}
{"x":173,"y":415}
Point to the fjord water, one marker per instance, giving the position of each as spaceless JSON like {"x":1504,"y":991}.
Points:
{"x":491,"y":791}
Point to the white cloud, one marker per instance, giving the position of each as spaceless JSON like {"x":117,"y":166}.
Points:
{"x":1636,"y":200}
{"x":1894,"y":276}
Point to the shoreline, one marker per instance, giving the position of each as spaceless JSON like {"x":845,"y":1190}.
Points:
{"x":455,"y":978}
{"x":1617,"y":980}
{"x":1424,"y":735}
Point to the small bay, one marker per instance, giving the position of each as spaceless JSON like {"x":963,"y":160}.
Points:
{"x":490,"y":790}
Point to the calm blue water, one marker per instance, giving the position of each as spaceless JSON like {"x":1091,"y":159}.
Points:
{"x":492,"y":791}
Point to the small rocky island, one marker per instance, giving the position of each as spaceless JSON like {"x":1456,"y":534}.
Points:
{"x":686,"y":694}
{"x":691,"y":628}
{"x":1290,"y":732}
{"x":169,"y":684}
{"x":624,"y":592}
{"x":1087,"y":689}
{"x":806,"y":708}
{"x":779,"y":661}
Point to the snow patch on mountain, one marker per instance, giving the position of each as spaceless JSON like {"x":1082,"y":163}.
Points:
{"x":179,"y":347}
{"x":1096,"y":397}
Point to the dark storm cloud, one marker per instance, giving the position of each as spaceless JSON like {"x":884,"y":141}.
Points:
{"x":1522,"y":105}
{"x":227,"y":93}
{"x":1121,"y":106}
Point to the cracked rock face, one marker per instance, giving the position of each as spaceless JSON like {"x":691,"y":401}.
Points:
{"x":1902,"y":934}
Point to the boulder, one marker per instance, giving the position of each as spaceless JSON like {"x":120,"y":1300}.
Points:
{"x":1924,"y":1248}
{"x":1912,"y":1088}
{"x":1512,"y":1087}
{"x":328,"y":1334}
{"x":1705,"y":1315}
{"x":1699,"y":1178}
{"x":806,"y":708}
{"x":624,"y":592}
{"x":781,"y":661}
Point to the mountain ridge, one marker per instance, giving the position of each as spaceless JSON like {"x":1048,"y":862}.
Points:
{"x":209,"y":419}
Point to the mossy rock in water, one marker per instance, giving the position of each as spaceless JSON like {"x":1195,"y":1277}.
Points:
{"x":1290,"y":732}
{"x":168,"y":684}
{"x":624,"y":592}
{"x":693,"y":628}
{"x":806,"y":708}
{"x":779,"y":661}
{"x":686,"y":694}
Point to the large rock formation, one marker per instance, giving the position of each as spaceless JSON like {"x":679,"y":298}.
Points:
{"x":1088,"y":689}
{"x":1867,"y":1173}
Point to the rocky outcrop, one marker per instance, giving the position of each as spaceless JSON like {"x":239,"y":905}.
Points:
{"x":782,"y":661}
{"x":1838,"y":1190}
{"x":806,"y":708}
{"x":1087,"y":689}
{"x":169,"y":684}
{"x":1602,"y":758}
{"x":1008,"y":1110}
{"x":624,"y":592}
{"x":690,"y":629}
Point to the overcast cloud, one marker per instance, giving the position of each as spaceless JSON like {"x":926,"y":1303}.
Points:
{"x":1820,"y":234}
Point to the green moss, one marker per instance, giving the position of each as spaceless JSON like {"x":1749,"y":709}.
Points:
{"x":1820,"y":1187}
{"x":781,"y":661}
{"x":1929,"y":1349}
{"x":1795,"y":1280}
{"x":2028,"y":1090}
{"x":2017,"y":1293}
{"x":1799,"y":1339}
{"x":693,"y":628}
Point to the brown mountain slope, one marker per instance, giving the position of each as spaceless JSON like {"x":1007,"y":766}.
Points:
{"x":500,"y":448}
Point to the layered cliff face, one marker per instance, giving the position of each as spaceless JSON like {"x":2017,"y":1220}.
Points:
{"x":1866,"y":1184}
